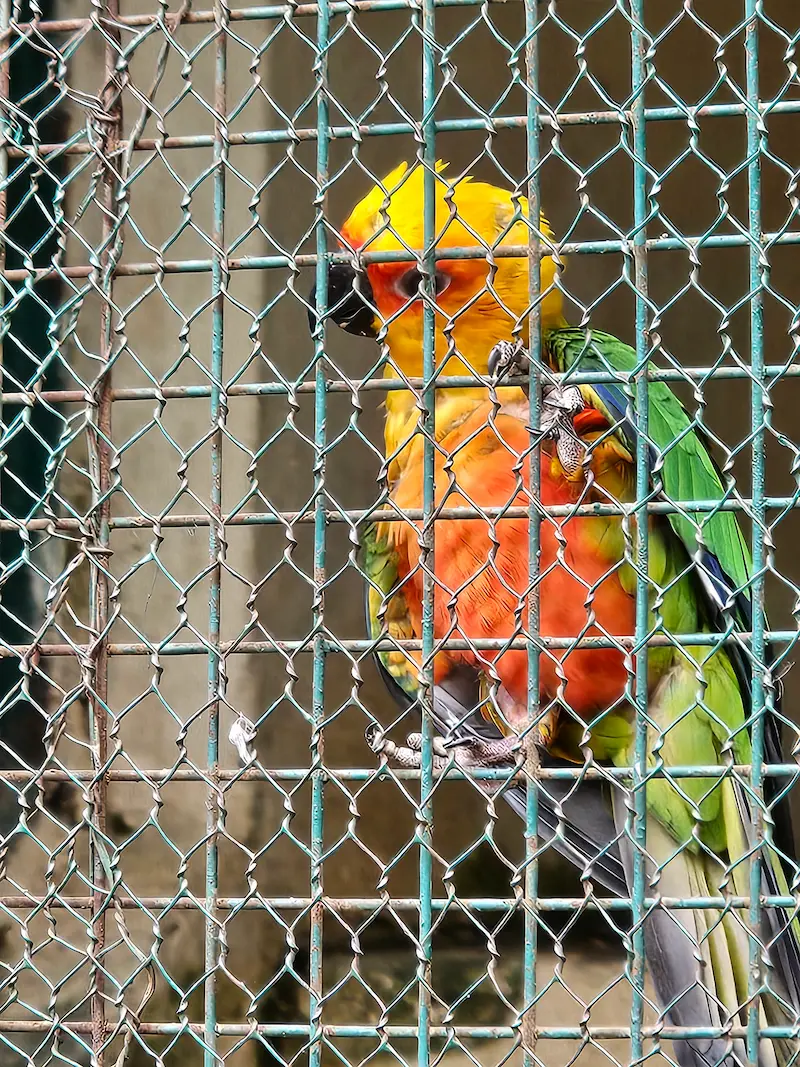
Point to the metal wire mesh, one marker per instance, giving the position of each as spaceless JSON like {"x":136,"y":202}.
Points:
{"x":187,"y":475}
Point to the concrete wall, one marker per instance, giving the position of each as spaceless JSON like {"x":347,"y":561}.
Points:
{"x":270,"y":574}
{"x":163,"y":460}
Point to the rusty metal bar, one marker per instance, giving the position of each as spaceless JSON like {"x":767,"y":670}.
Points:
{"x":95,"y":664}
{"x":247,"y":14}
{"x":357,"y":515}
{"x":701,"y":638}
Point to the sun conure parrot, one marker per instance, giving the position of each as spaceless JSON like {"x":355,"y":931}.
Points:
{"x":699,"y":830}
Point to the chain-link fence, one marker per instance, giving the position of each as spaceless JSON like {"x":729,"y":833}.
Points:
{"x":190,"y":479}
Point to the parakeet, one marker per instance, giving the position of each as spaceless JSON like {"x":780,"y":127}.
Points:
{"x":700,"y":836}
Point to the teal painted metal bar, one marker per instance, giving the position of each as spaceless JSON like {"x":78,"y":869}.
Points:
{"x":691,"y":244}
{"x":317,"y":746}
{"x":702,"y":638}
{"x":530,"y":879}
{"x":408,"y":1032}
{"x":366,"y":904}
{"x":356,"y":515}
{"x":760,"y":695}
{"x":382,"y":385}
{"x":425,"y":23}
{"x":638,"y":800}
{"x":489,"y":123}
{"x":215,"y":818}
{"x":355,"y":774}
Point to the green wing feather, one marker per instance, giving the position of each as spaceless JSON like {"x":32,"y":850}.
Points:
{"x":682,"y":732}
{"x":683,"y":462}
{"x":386,"y":609}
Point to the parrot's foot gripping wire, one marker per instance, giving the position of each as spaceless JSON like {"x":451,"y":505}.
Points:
{"x":508,"y":359}
{"x":505,"y":752}
{"x":560,"y":404}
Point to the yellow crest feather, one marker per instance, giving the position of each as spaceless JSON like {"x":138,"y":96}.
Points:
{"x":390,"y":215}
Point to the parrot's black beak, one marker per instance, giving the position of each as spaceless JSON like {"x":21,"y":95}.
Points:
{"x":350,"y":301}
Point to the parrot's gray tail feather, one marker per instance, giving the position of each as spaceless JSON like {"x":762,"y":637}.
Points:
{"x":673,"y":964}
{"x":778,"y":930}
{"x":578,"y":824}
{"x":576,"y":818}
{"x":677,"y":948}
{"x":782,"y":946}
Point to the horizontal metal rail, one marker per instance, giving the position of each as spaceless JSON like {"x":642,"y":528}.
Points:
{"x":355,"y":516}
{"x":591,"y":902}
{"x":487,"y":123}
{"x":254,"y":1029}
{"x":691,"y":244}
{"x":582,"y":772}
{"x":240,"y":646}
{"x":259,"y":13}
{"x":378,"y":385}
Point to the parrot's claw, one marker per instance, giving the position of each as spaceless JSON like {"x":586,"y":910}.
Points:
{"x":502,"y":752}
{"x":414,"y":742}
{"x":561,"y":401}
{"x":560,"y":405}
{"x":505,"y":751}
{"x":506,"y":359}
{"x":407,"y":755}
{"x":375,"y":738}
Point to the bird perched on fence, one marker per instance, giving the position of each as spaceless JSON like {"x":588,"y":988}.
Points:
{"x":700,"y":831}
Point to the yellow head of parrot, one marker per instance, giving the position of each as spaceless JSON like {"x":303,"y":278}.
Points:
{"x":479,"y":301}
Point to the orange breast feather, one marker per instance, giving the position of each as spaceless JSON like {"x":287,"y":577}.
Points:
{"x":482,"y":572}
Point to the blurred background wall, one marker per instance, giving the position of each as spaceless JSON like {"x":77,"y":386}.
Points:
{"x":163,"y":328}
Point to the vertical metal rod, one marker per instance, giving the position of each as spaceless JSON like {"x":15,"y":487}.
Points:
{"x":6,"y":125}
{"x":216,"y":533}
{"x":427,"y":554}
{"x":531,"y":890}
{"x":761,"y":695}
{"x":99,"y":438}
{"x":320,"y":438}
{"x":5,"y":136}
{"x":638,"y":81}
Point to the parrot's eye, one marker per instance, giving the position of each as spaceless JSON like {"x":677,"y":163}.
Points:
{"x":408,"y":284}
